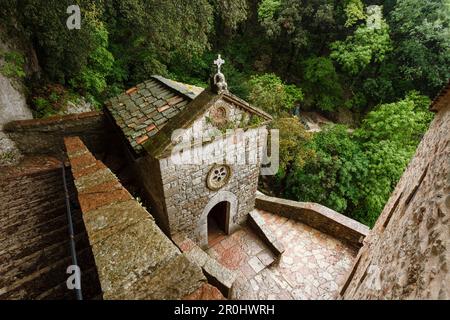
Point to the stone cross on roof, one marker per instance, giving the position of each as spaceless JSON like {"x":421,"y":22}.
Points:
{"x":219,"y":62}
{"x":219,"y":84}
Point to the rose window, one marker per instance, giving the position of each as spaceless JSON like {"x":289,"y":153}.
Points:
{"x":218,"y":176}
{"x":219,"y":115}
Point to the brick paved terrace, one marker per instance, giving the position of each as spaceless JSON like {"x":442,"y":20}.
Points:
{"x":313,"y":266}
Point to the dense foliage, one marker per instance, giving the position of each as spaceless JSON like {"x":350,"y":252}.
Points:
{"x":362,"y":57}
{"x":354,"y":172}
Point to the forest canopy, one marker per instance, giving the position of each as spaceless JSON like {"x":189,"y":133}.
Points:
{"x":377,"y":62}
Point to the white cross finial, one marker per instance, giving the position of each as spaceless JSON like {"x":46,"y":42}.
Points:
{"x":219,"y":62}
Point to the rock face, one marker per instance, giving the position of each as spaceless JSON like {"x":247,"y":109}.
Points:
{"x":406,"y":256}
{"x":13,"y":106}
{"x":12,"y":102}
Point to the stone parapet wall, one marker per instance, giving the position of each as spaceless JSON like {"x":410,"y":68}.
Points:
{"x":259,"y":226}
{"x":406,"y":255}
{"x":317,"y":216}
{"x":217,"y":274}
{"x":134,"y":259}
{"x":46,"y":136}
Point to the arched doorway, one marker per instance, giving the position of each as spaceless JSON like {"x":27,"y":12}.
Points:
{"x":218,"y":219}
{"x":231,"y":200}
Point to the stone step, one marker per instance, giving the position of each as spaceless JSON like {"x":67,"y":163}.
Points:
{"x":25,"y":198}
{"x":16,"y":250}
{"x":47,"y":210}
{"x":10,"y":188}
{"x":51,"y":219}
{"x":38,"y":227}
{"x":40,"y":175}
{"x":16,"y":269}
{"x":89,"y":292}
{"x":59,"y":292}
{"x":42,"y":281}
{"x":43,"y":209}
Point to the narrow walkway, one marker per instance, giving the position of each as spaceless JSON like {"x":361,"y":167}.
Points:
{"x":313,"y":266}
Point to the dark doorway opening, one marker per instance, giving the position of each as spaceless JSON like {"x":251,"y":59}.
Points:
{"x":217,"y":222}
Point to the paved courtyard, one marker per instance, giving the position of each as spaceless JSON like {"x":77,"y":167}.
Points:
{"x":313,"y":266}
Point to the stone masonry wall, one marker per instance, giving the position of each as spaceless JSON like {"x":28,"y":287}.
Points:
{"x":406,"y":256}
{"x":46,"y":136}
{"x":150,"y":178}
{"x":186,"y":194}
{"x":134,"y":259}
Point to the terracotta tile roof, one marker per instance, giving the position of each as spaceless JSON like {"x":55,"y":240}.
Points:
{"x":142,"y":111}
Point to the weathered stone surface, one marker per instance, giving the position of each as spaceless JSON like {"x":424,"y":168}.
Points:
{"x":406,"y":256}
{"x":133,"y":257}
{"x":219,"y":276}
{"x":113,"y":218}
{"x":316,"y":216}
{"x":46,"y":136}
{"x":205,"y":292}
{"x":257,"y":222}
{"x":34,"y":238}
{"x":313,"y":265}
{"x":175,"y":280}
{"x":216,"y":273}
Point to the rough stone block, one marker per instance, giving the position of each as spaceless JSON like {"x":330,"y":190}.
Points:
{"x":123,"y":258}
{"x":219,"y":276}
{"x":174,"y":280}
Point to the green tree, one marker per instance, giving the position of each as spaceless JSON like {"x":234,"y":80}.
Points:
{"x":294,"y":150}
{"x":92,"y":77}
{"x":230,"y":13}
{"x":150,"y":35}
{"x":389,"y":136}
{"x":299,"y":28}
{"x":354,"y":12}
{"x":369,"y":44}
{"x":62,"y":52}
{"x":402,"y":122}
{"x":268,"y":8}
{"x":294,"y":143}
{"x":270,"y":93}
{"x":333,"y":176}
{"x":321,"y":84}
{"x":421,"y":34}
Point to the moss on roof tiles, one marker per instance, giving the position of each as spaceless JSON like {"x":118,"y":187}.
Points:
{"x":144,"y":111}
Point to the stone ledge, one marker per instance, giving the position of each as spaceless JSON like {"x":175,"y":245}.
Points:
{"x":133,"y":257}
{"x":17,"y":125}
{"x":217,"y":275}
{"x":178,"y":278}
{"x":257,"y":223}
{"x":316,"y":216}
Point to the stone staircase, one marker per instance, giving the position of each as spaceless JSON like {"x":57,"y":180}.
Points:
{"x":34,"y":238}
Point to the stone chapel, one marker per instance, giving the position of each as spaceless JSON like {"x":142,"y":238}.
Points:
{"x":210,"y":182}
